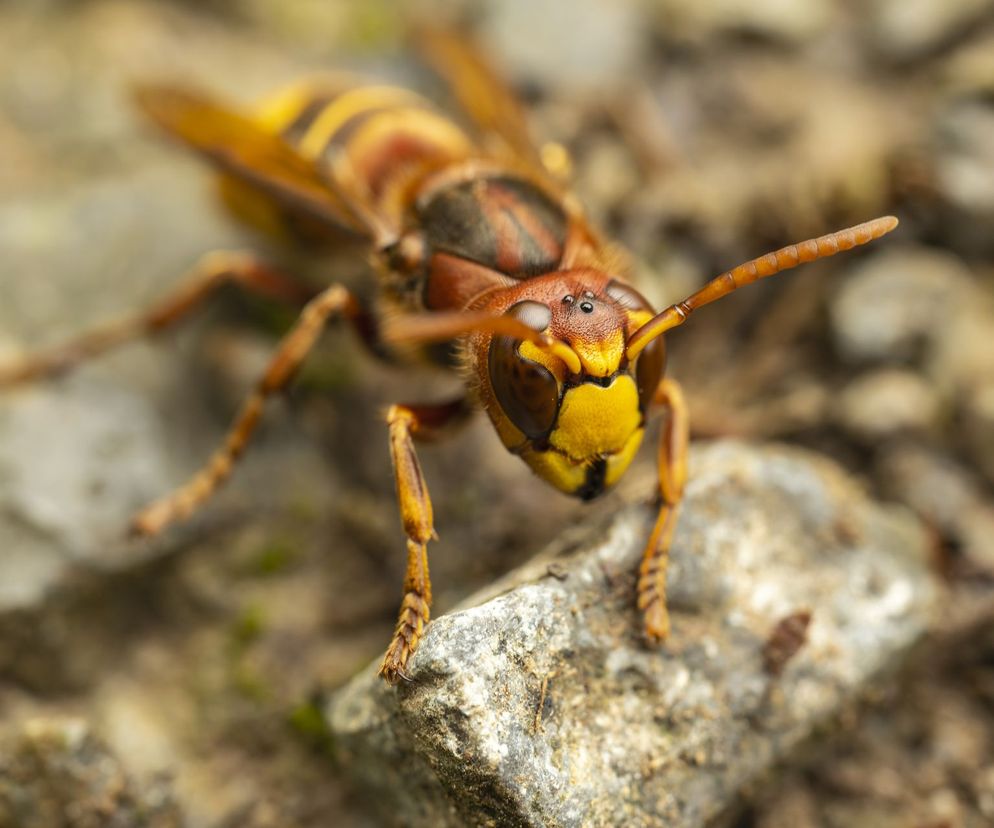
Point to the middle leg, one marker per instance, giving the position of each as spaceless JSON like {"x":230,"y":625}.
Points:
{"x":294,"y":347}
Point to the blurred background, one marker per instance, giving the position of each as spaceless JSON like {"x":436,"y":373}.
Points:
{"x":183,"y":679}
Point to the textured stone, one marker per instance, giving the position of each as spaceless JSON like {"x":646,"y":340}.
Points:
{"x":887,"y":308}
{"x":905,"y":29}
{"x":949,"y":495}
{"x":965,"y":166}
{"x":776,"y":19}
{"x":528,"y":38}
{"x":76,"y":460}
{"x":56,"y":772}
{"x":539,"y":704}
{"x":883,"y":403}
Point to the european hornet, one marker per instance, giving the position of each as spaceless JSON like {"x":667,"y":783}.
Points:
{"x":484,"y":262}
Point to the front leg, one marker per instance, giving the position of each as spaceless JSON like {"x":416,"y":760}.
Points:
{"x":407,"y":423}
{"x":673,"y":444}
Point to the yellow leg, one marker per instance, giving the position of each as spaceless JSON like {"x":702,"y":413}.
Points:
{"x":292,"y":350}
{"x":673,"y":444}
{"x":215,"y":269}
{"x":406,"y":423}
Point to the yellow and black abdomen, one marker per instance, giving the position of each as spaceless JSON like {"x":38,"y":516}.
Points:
{"x":376,"y":143}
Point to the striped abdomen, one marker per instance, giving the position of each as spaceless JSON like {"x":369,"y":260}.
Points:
{"x":377,"y":143}
{"x":416,"y":172}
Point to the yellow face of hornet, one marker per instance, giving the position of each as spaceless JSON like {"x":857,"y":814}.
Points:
{"x":579,"y":431}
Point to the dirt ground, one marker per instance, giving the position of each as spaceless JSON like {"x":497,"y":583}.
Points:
{"x":701,"y":135}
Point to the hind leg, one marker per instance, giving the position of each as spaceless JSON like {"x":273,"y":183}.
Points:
{"x":210,"y":273}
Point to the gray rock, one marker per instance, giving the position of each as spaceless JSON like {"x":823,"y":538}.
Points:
{"x":962,"y":365}
{"x":56,"y":772}
{"x":882,"y":403}
{"x":963,"y":360}
{"x":907,"y":29}
{"x":76,"y":460}
{"x":790,"y":22}
{"x":947,"y":494}
{"x":529,"y":39}
{"x":888,"y":307}
{"x":539,"y":704}
{"x":978,"y":426}
{"x":965,"y":163}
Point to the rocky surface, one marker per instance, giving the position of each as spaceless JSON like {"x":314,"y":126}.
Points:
{"x":702,"y":134}
{"x":538,"y":703}
{"x":58,"y":773}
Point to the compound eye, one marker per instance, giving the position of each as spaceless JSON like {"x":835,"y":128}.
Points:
{"x":627,"y":296}
{"x":526,"y":391}
{"x":651,"y":362}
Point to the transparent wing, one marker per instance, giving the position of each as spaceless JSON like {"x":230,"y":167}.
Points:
{"x":236,"y":144}
{"x":480,"y":90}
